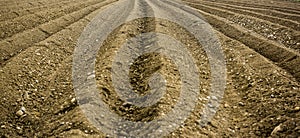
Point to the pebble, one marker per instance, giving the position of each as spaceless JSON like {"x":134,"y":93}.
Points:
{"x":26,"y":95}
{"x":3,"y":126}
{"x":246,"y":114}
{"x":231,"y":130}
{"x":19,"y":113}
{"x":226,"y":105}
{"x":241,"y":104}
{"x":276,"y":129}
{"x":73,"y":100}
{"x":214,"y":98}
{"x":23,"y":108}
{"x":91,"y":76}
{"x":297,"y":108}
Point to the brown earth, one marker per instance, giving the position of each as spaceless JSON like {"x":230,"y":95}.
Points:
{"x":260,"y":39}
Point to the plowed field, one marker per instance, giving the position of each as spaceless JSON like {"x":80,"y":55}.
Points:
{"x":260,"y":40}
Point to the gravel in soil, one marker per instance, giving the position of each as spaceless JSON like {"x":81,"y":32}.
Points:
{"x":261,"y":99}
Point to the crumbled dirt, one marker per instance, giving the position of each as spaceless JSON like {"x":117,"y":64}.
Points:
{"x":37,"y":39}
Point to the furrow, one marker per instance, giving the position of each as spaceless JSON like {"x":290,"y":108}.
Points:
{"x":283,"y":35}
{"x":266,"y":6}
{"x":18,"y":13}
{"x":273,"y":51}
{"x":284,"y":22}
{"x":52,"y":56}
{"x":26,"y":4}
{"x":17,"y":25}
{"x":18,"y":43}
{"x":293,"y":17}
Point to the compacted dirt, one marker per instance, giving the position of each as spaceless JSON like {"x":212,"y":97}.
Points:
{"x":260,"y":40}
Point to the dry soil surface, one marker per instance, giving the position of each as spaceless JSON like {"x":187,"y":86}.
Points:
{"x":260,"y":39}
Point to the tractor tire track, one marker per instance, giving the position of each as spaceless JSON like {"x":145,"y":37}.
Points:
{"x":263,"y":83}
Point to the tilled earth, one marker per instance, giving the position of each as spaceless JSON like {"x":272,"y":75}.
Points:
{"x":260,"y":39}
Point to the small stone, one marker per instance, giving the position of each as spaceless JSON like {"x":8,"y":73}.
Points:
{"x":214,"y":98}
{"x":73,"y":100}
{"x":246,"y":114}
{"x":231,"y":130}
{"x":241,"y":104}
{"x":3,"y":126}
{"x":23,"y":109}
{"x":26,"y":95}
{"x":91,"y":76}
{"x":276,"y":129}
{"x":19,"y":113}
{"x":226,"y":105}
{"x":297,"y":108}
{"x":210,"y":105}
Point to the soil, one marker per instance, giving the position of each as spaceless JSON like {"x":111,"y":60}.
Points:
{"x":260,"y":39}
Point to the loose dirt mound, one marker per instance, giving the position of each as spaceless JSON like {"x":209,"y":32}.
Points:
{"x":260,"y":39}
